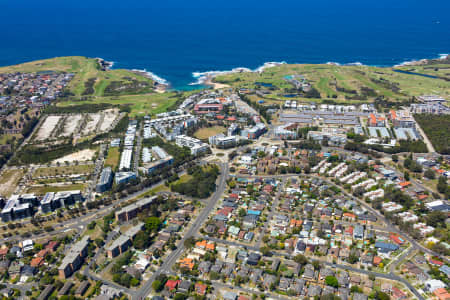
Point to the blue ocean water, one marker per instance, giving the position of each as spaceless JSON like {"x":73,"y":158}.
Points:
{"x":174,"y":38}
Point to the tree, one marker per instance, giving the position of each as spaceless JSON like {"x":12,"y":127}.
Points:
{"x":242,"y":212}
{"x":331,"y":281}
{"x":394,"y":158}
{"x":442,"y":186}
{"x":265,"y":250}
{"x":436,"y":218}
{"x":352,"y":258}
{"x":189,"y":242}
{"x":180,"y":296}
{"x":301,"y":259}
{"x":429,"y":174}
{"x":381,"y":296}
{"x":316,"y":264}
{"x":406,"y":175}
{"x":157,"y":285}
{"x":141,"y":241}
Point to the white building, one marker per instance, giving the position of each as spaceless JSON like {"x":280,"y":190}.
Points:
{"x":196,"y":146}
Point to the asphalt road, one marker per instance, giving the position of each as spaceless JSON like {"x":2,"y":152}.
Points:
{"x":195,"y":227}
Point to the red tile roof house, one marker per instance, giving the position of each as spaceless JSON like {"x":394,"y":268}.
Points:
{"x":172,"y":284}
{"x":436,"y":263}
{"x":200,"y":289}
{"x":398,"y":294}
{"x":235,"y":196}
{"x":52,"y":245}
{"x":397,"y":239}
{"x":37,"y":262}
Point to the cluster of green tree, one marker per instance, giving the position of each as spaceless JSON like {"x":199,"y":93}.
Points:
{"x":29,"y":126}
{"x":309,"y":145}
{"x":89,"y":86}
{"x":358,"y":138}
{"x":262,"y":109}
{"x":40,"y":155}
{"x":436,"y":128}
{"x":302,"y":132}
{"x":180,"y":155}
{"x":345,"y":90}
{"x":443,"y":187}
{"x":143,"y":237}
{"x":389,"y":85}
{"x":116,"y":88}
{"x":119,"y":274}
{"x":121,"y":125}
{"x":397,"y":196}
{"x":412,"y":165}
{"x":312,"y":93}
{"x":201,"y":185}
{"x":159,"y":282}
{"x":80,"y":108}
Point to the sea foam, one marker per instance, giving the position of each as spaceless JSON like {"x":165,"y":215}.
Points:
{"x":152,"y":76}
{"x":203,"y":77}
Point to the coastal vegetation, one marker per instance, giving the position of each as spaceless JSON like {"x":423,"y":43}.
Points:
{"x":436,"y":127}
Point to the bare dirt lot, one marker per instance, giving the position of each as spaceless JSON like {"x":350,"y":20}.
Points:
{"x":47,"y":127}
{"x":83,"y":155}
{"x":71,"y":124}
{"x":9,"y":180}
{"x":109,"y":116}
{"x":91,"y":124}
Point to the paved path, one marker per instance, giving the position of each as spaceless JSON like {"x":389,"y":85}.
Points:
{"x":425,"y":138}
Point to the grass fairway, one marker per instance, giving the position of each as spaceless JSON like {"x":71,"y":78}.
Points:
{"x":42,"y":190}
{"x":112,"y":159}
{"x":9,"y":180}
{"x":205,"y":133}
{"x":343,"y":81}
{"x":63,"y":170}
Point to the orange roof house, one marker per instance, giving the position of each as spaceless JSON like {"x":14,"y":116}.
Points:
{"x":404,"y":183}
{"x":187,"y":263}
{"x":296,"y":223}
{"x":377,"y":260}
{"x":210,"y":246}
{"x":349,"y":215}
{"x":43,"y":252}
{"x":37,"y":262}
{"x":442,"y":294}
{"x":200,"y":288}
{"x":201,"y":244}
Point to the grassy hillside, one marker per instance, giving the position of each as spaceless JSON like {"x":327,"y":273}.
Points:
{"x":140,"y":105}
{"x":90,"y":79}
{"x":343,"y":83}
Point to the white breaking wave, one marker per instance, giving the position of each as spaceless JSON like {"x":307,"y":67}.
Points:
{"x":441,"y":56}
{"x":203,"y":77}
{"x":357,"y":63}
{"x":153,"y":76}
